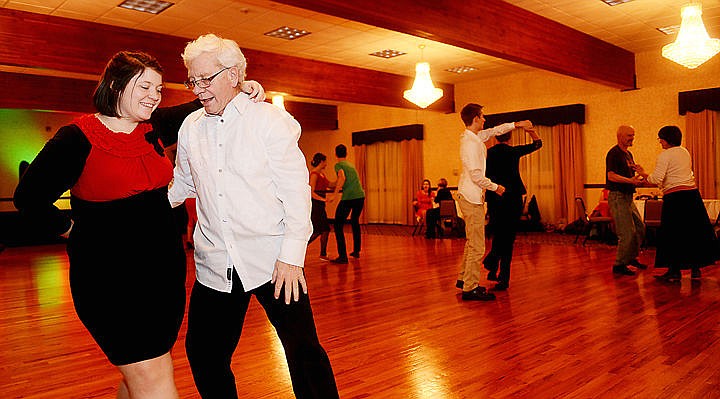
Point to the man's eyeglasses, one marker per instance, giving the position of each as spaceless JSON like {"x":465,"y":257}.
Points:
{"x":203,"y":83}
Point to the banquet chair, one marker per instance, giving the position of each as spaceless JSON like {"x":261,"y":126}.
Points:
{"x":651,"y":217}
{"x":448,"y":217}
{"x":600,"y":223}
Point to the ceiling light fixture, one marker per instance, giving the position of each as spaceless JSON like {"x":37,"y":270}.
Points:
{"x":423,"y":92}
{"x":615,"y":2}
{"x":287,"y":33}
{"x":151,"y":6}
{"x":670,"y":29}
{"x":388,"y":53}
{"x":693,"y":46}
{"x":461,"y":69}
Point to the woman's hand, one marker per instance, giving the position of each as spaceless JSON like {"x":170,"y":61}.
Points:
{"x":254,"y":90}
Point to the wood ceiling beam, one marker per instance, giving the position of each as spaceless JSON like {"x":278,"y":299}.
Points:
{"x":29,"y":40}
{"x":53,"y":93}
{"x":495,"y":28}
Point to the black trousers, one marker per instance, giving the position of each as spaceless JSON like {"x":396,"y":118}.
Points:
{"x":432,"y":218}
{"x":504,"y":212}
{"x":353,"y":208}
{"x":215,"y":321}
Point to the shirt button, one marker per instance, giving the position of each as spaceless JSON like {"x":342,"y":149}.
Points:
{"x":220,"y":170}
{"x":220,"y":195}
{"x":219,"y":145}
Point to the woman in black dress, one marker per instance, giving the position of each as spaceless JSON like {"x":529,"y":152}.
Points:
{"x":318,"y":187}
{"x":127,"y":262}
{"x":685,"y":239}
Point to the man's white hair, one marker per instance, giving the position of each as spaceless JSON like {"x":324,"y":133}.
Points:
{"x":226,"y":51}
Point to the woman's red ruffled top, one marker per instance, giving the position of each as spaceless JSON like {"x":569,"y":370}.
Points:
{"x":119,"y":165}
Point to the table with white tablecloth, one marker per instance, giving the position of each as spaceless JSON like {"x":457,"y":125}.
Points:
{"x":711,"y":205}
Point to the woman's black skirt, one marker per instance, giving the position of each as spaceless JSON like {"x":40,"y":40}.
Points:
{"x":685,"y":237}
{"x":319,"y":218}
{"x":127,"y":274}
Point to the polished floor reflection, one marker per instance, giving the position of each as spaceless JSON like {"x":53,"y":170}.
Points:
{"x":394,"y":326}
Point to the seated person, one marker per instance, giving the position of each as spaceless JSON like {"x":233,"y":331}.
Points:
{"x":423,"y":200}
{"x":602,"y":208}
{"x":432,"y":216}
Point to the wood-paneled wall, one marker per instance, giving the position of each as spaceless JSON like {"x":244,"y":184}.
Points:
{"x":38,"y":41}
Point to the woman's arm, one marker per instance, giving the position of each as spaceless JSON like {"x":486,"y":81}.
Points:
{"x":54,"y":171}
{"x":166,"y":121}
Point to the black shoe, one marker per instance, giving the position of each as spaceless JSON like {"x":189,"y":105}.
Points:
{"x":459,"y":284}
{"x":478,"y":294}
{"x":669,"y":276}
{"x":355,"y":255}
{"x":500,"y":287}
{"x":340,"y":260}
{"x":492,"y":276}
{"x":623,"y":270}
{"x":695,"y":273}
{"x":637,"y":264}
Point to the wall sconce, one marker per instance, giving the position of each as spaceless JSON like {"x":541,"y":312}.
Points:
{"x":693,"y":46}
{"x":278,"y":100}
{"x":423,"y":92}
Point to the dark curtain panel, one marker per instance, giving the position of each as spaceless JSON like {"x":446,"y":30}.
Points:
{"x":562,"y":115}
{"x":397,"y":133}
{"x":699,"y":100}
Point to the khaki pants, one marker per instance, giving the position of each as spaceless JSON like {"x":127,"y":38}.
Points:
{"x":629,"y":227}
{"x":474,"y":215}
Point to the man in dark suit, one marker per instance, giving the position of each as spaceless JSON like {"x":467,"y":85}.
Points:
{"x":503,"y":162}
{"x":432,"y":216}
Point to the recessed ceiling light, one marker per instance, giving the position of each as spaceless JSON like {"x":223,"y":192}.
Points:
{"x":287,"y":33}
{"x":615,"y":2}
{"x":669,"y":30}
{"x":388,"y":53}
{"x":461,"y":69}
{"x":151,"y":6}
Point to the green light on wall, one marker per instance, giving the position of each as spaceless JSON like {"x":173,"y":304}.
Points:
{"x":22,"y":135}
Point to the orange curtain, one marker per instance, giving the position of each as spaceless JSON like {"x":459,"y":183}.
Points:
{"x":412,"y":174}
{"x":568,"y":169}
{"x":410,"y":179}
{"x":360,"y":165}
{"x":700,"y":134}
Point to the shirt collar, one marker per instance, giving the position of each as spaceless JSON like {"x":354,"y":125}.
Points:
{"x":238,"y":104}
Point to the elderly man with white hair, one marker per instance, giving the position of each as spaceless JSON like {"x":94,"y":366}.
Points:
{"x":242,"y":162}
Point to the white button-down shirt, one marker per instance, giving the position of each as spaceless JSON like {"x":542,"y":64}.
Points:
{"x":251,"y":183}
{"x":473,"y":155}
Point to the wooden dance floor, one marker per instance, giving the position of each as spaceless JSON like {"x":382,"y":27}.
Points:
{"x":395,"y":327}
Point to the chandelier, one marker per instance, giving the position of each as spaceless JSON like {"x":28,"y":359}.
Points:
{"x":693,"y":45}
{"x":423,"y":92}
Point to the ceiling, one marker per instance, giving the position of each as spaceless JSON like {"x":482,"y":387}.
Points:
{"x":631,"y":26}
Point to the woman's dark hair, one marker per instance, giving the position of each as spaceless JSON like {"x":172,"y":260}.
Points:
{"x":122,"y":67}
{"x":341,"y":151}
{"x":671,"y":134}
{"x":429,"y":186}
{"x":317,"y":158}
